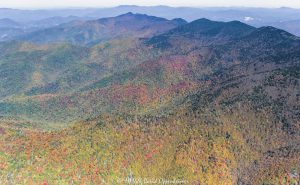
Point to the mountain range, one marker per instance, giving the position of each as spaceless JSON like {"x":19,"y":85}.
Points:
{"x":87,"y":32}
{"x":138,"y":96}
{"x":29,"y":21}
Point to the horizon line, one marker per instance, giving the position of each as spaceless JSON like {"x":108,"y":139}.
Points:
{"x":105,"y":7}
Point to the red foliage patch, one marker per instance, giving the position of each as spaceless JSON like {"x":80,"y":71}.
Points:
{"x":177,"y":64}
{"x":2,"y":131}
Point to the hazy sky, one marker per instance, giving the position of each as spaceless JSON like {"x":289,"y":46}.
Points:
{"x":109,"y":3}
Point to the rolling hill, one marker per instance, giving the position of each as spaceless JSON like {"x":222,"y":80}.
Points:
{"x":204,"y":102}
{"x":90,"y":32}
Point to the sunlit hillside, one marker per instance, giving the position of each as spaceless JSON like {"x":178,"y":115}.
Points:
{"x":137,"y":98}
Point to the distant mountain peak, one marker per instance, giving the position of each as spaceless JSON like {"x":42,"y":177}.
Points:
{"x":141,"y":16}
{"x":204,"y":20}
{"x":207,"y":21}
{"x":94,"y":31}
{"x":274,"y":32}
{"x":180,"y":21}
{"x":212,"y":28}
{"x":205,"y":31}
{"x":270,"y":29}
{"x":6,"y":22}
{"x":127,"y":6}
{"x":127,"y":14}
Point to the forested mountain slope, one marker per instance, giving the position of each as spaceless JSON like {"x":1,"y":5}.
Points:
{"x":95,"y":31}
{"x":206,"y":102}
